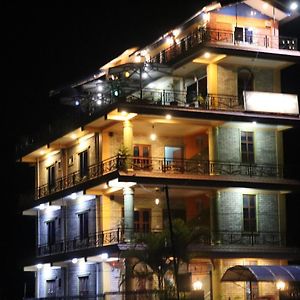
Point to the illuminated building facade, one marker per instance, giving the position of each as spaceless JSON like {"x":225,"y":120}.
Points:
{"x":201,"y":111}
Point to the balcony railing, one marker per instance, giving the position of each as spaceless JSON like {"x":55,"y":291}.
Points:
{"x":94,"y":171}
{"x":103,"y":238}
{"x":166,"y":166}
{"x":117,"y":236}
{"x":204,"y":35}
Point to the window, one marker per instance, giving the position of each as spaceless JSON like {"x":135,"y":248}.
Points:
{"x":51,"y":288}
{"x":51,"y":177}
{"x":249,"y":213}
{"x":243,"y":35}
{"x":245,"y":83}
{"x":142,"y":220}
{"x":83,"y":163}
{"x":141,"y":154}
{"x":247,"y":147}
{"x":51,"y":232}
{"x":83,"y":225}
{"x":83,"y":285}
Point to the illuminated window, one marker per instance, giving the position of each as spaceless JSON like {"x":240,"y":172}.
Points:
{"x":247,"y":147}
{"x":249,"y":213}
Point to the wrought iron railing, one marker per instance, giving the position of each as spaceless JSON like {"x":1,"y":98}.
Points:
{"x":119,"y":295}
{"x":165,"y":166}
{"x":94,"y":171}
{"x":203,"y":167}
{"x":98,"y":239}
{"x":263,"y":238}
{"x":204,"y":35}
{"x":117,"y":236}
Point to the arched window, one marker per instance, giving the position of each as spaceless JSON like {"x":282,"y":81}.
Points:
{"x":245,"y":82}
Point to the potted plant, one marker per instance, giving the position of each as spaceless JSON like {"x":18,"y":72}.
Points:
{"x":122,"y":157}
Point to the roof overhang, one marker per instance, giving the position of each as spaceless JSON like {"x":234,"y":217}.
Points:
{"x":262,"y":273}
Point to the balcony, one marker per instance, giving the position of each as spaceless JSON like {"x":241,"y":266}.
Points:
{"x":116,"y":236}
{"x":220,"y":37}
{"x":103,"y":238}
{"x":160,"y":166}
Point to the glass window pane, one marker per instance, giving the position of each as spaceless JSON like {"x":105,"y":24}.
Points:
{"x":136,"y":151}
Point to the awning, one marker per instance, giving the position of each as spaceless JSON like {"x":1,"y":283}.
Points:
{"x":262,"y":273}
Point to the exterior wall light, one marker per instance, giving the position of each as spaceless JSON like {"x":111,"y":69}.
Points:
{"x":39,"y":266}
{"x":104,"y":256}
{"x":170,"y":40}
{"x":156,"y":201}
{"x":294,"y":6}
{"x":168,"y":117}
{"x":74,"y":260}
{"x":280,"y":285}
{"x":197,"y":285}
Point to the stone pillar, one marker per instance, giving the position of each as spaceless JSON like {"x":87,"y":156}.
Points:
{"x":128,"y":213}
{"x":128,"y":136}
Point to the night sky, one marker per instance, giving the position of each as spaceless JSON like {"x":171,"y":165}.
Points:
{"x":48,"y":46}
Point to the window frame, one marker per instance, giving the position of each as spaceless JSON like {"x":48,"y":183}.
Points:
{"x":83,"y":163}
{"x":250,"y":208}
{"x":51,"y":176}
{"x":249,"y":159}
{"x":83,"y":225}
{"x":84,"y":292}
{"x":51,"y":232}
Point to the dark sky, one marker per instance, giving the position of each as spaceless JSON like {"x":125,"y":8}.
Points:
{"x":50,"y":45}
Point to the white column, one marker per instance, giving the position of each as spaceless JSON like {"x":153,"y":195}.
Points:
{"x":128,"y":213}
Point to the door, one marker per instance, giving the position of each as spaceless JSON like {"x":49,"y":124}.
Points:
{"x":83,"y":225}
{"x":142,"y":220}
{"x":141,"y":156}
{"x":51,"y":288}
{"x":51,"y":233}
{"x":83,"y":163}
{"x":51,"y":178}
{"x":173,"y":160}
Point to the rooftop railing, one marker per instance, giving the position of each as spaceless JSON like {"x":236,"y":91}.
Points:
{"x":117,"y":236}
{"x":204,"y":35}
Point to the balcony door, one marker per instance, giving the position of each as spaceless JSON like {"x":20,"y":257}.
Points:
{"x":51,"y":177}
{"x":83,"y":286}
{"x":142,"y":220}
{"x":141,"y":156}
{"x":51,"y":233}
{"x":83,"y":225}
{"x":83,"y":163}
{"x":173,"y":158}
{"x":245,"y":82}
